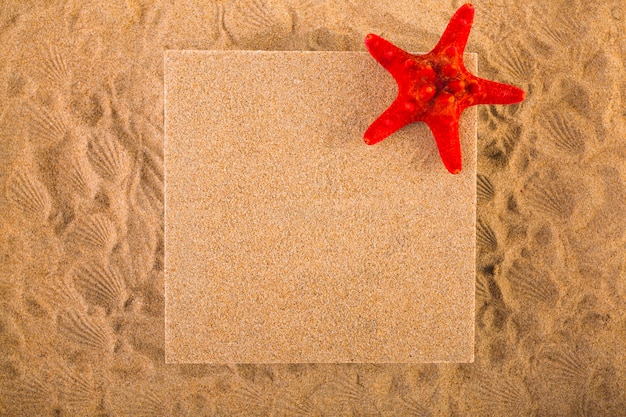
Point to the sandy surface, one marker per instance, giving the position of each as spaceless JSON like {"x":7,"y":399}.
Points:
{"x":81,"y":235}
{"x":287,"y":238}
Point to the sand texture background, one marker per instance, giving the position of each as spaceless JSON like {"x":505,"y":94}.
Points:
{"x":81,"y":203}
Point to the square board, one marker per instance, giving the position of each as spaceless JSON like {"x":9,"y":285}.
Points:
{"x":290,"y":240}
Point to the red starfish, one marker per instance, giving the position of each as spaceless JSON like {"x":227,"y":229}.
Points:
{"x":435,"y":88}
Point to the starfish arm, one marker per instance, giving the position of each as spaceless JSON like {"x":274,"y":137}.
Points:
{"x":392,"y":119}
{"x":491,"y":92}
{"x":446,"y":132}
{"x":457,"y":31}
{"x":386,"y":53}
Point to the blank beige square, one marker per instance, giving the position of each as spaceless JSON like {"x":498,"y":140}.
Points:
{"x":290,"y":240}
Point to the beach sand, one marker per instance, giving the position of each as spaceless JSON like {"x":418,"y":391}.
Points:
{"x":81,"y":197}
